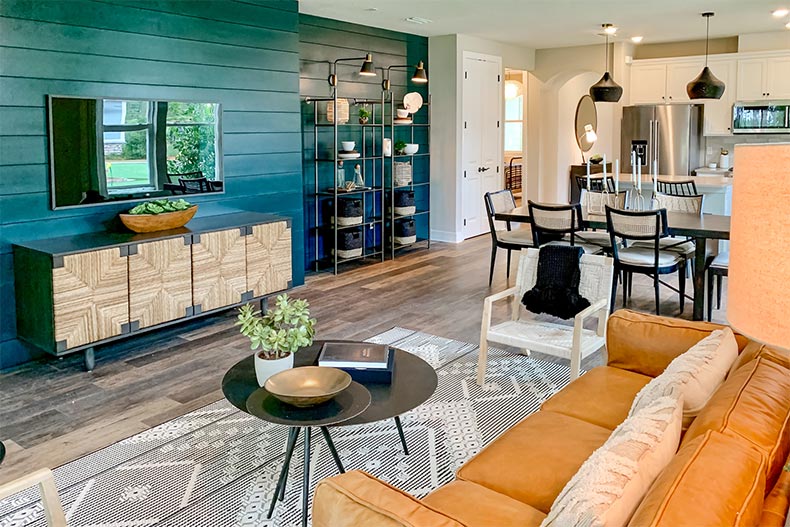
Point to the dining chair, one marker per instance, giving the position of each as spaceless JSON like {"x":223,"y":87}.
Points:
{"x":513,"y":175}
{"x":571,"y":342}
{"x":197,"y":185}
{"x":596,"y":183}
{"x":509,"y":239}
{"x":642,"y":226}
{"x":558,"y":225}
{"x":43,"y":479}
{"x":173,"y":178}
{"x":594,"y":203}
{"x":677,"y":188}
{"x":718,"y":268}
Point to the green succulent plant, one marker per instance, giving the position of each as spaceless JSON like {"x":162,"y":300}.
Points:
{"x":160,"y":206}
{"x":280,"y":331}
{"x":400,"y":145}
{"x":364,"y":113}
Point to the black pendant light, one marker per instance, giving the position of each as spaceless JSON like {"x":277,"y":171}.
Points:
{"x":606,"y":89}
{"x":706,"y":85}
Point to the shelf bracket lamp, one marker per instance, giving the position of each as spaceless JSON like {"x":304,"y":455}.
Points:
{"x":367,"y":69}
{"x":706,"y":85}
{"x":606,"y":89}
{"x":419,"y":76}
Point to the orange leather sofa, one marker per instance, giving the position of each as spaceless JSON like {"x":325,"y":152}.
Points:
{"x":727,"y":472}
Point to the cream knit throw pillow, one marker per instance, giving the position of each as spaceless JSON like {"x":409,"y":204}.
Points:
{"x":611,"y":484}
{"x":697,"y":372}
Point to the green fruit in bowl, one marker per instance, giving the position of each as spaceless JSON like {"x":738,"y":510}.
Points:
{"x":597,"y":158}
{"x":160,"y":206}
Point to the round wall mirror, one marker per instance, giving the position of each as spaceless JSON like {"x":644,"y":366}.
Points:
{"x":586,"y":123}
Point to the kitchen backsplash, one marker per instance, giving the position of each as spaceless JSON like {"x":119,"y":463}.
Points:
{"x":713,"y":145}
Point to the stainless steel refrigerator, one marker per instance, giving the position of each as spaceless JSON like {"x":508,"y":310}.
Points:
{"x":669,"y":134}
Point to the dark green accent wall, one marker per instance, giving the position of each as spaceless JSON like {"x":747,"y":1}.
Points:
{"x":323,"y":40}
{"x":242,"y":54}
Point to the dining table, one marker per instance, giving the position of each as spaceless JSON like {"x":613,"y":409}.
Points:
{"x":700,"y":228}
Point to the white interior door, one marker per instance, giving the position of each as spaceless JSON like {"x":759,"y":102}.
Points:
{"x":482,"y":139}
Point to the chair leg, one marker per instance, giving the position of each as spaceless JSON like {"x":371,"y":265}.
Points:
{"x":508,"y":265}
{"x":682,"y":286}
{"x":493,"y":261}
{"x":630,"y":284}
{"x":626,"y":278}
{"x":710,"y":295}
{"x":655,"y":287}
{"x":482,"y":360}
{"x":614,"y":292}
{"x":719,"y":280}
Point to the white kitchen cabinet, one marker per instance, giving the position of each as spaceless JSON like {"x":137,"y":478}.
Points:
{"x":678,"y":76}
{"x":764,"y":78}
{"x":648,"y":83}
{"x":718,"y":112}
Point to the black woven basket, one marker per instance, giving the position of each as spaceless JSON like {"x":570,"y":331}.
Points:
{"x":404,"y":198}
{"x":349,"y":239}
{"x":405,"y":228}
{"x":349,"y":207}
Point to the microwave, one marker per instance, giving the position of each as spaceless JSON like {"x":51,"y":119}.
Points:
{"x":761,"y":117}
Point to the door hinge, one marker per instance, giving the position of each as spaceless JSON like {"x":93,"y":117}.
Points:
{"x":464,"y":222}
{"x":466,"y":75}
{"x":497,"y":124}
{"x":464,"y":125}
{"x":498,"y":78}
{"x":464,"y":173}
{"x":497,"y":170}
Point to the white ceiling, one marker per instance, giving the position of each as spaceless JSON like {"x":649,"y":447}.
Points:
{"x":558,"y":23}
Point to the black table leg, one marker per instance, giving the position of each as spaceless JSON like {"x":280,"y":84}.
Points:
{"x":402,"y":436}
{"x":332,"y":449}
{"x":279,"y":491}
{"x":306,"y":482}
{"x":700,"y":253}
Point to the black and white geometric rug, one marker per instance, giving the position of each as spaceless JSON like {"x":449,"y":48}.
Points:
{"x":218,"y":466}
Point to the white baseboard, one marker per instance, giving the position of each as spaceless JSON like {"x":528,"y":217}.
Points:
{"x":446,"y":236}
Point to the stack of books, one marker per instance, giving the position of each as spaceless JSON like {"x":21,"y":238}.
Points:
{"x":365,"y":362}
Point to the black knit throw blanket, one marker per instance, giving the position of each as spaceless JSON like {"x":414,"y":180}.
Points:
{"x":556,"y":290}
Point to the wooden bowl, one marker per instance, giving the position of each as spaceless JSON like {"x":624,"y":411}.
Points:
{"x":158,"y":222}
{"x":307,"y":386}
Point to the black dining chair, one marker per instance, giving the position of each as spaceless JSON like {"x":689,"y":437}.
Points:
{"x":197,"y":185}
{"x":642,"y":226}
{"x":688,"y":205}
{"x":677,"y":188}
{"x":594,"y":203}
{"x":174,"y":178}
{"x":558,"y":225}
{"x":596,"y":183}
{"x":509,"y":239}
{"x":717,"y":269}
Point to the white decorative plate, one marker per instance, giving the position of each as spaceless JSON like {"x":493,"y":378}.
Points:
{"x":412,"y":101}
{"x":348,"y":155}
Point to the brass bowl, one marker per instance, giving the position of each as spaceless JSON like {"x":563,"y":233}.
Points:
{"x":307,"y":386}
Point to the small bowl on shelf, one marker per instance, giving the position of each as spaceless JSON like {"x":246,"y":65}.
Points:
{"x":402,"y":113}
{"x":308,"y":385}
{"x":347,"y":146}
{"x":411,"y":149}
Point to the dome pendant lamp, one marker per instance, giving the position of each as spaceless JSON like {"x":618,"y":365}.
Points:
{"x":606,"y":89}
{"x":706,"y":85}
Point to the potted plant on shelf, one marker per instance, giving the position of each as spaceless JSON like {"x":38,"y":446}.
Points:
{"x":399,"y":147}
{"x":279,"y":333}
{"x":364,"y":115}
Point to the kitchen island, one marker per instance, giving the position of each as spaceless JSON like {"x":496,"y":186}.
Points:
{"x":716,"y":189}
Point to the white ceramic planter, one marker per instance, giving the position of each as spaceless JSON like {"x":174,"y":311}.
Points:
{"x":266,"y":368}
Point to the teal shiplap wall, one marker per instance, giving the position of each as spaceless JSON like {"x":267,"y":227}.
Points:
{"x":244,"y":55}
{"x":322,"y":40}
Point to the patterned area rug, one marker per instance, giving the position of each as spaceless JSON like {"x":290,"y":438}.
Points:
{"x":218,"y":466}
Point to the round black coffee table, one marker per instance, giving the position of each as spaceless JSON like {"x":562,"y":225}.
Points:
{"x":413,"y":382}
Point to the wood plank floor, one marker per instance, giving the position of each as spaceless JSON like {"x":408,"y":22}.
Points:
{"x":52,"y":412}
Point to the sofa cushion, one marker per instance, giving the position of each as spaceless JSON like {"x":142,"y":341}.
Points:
{"x":534,"y":459}
{"x":697,"y":373}
{"x":356,"y":499}
{"x":609,"y":486}
{"x":714,"y":480}
{"x":602,"y":396}
{"x":646,"y":343}
{"x":477,"y":506}
{"x":777,"y":502}
{"x":753,"y":350}
{"x":753,"y":404}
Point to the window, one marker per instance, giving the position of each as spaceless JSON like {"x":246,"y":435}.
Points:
{"x":191,"y":138}
{"x":127,"y":136}
{"x":514,"y":116}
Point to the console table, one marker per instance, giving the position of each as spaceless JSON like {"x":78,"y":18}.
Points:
{"x":73,"y":293}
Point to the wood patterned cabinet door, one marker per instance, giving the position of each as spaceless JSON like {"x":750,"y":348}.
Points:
{"x":269,"y":258}
{"x":160,"y":282}
{"x":219,"y":275}
{"x":90,"y":297}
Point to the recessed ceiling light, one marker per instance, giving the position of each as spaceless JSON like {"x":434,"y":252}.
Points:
{"x":609,"y":29}
{"x":372,"y":9}
{"x":418,"y":20}
{"x":637,"y":39}
{"x":781,"y":12}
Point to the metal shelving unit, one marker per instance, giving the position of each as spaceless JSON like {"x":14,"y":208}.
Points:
{"x":371,"y":160}
{"x":418,"y":186}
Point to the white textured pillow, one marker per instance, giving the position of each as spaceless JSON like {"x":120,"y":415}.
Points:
{"x":697,"y":372}
{"x":611,"y":484}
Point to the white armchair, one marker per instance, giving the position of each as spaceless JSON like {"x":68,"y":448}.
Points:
{"x":45,"y":482}
{"x":570,"y":342}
